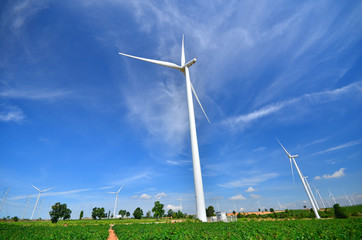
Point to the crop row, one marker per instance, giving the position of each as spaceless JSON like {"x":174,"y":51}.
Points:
{"x":294,"y":229}
{"x":19,"y":232}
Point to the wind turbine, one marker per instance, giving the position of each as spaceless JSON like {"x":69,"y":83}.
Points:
{"x":180,"y":199}
{"x":311,"y":192}
{"x":27,"y":204}
{"x":348,"y":199}
{"x":291,"y":158}
{"x":184,"y":68}
{"x":331,"y":195}
{"x":317,"y":192}
{"x":2,"y":204}
{"x":115,"y":202}
{"x":40,"y":192}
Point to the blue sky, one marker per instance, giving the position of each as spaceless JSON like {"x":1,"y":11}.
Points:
{"x":77,"y":116}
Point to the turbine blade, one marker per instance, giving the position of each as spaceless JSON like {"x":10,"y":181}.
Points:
{"x":291,"y":168}
{"x":47,"y":189}
{"x":193,"y":90}
{"x":162,"y":63}
{"x":183,"y":52}
{"x":284,"y":148}
{"x":35,"y":187}
{"x":120,"y":189}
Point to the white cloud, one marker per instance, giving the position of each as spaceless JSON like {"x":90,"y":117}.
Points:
{"x":159,"y":195}
{"x":145,"y":196}
{"x":345,"y":145}
{"x":250,"y":189}
{"x":241,"y":209}
{"x":249,"y":181}
{"x":237,"y":197}
{"x":173,"y":208}
{"x":336,"y":174}
{"x":12,"y":115}
{"x":317,"y":178}
{"x":255,"y":196}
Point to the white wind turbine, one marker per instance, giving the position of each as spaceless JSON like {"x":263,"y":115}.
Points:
{"x":184,"y":68}
{"x":317,"y":192}
{"x":331,"y":195}
{"x":115,"y":202}
{"x":291,"y":158}
{"x":348,"y":199}
{"x":311,"y":192}
{"x":40,"y":192}
{"x":180,"y":199}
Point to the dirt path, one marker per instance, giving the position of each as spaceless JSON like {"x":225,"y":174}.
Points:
{"x":112,"y":235}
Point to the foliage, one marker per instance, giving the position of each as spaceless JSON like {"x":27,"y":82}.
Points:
{"x":271,"y":209}
{"x":158,"y":210}
{"x":340,"y":212}
{"x":169,"y":213}
{"x":59,"y":211}
{"x":296,"y":229}
{"x":32,"y":231}
{"x":122,"y":213}
{"x":81,"y":215}
{"x":138,"y":213}
{"x":148,"y":214}
{"x":128,"y":214}
{"x":15,"y":219}
{"x":210,"y":211}
{"x":98,"y":213}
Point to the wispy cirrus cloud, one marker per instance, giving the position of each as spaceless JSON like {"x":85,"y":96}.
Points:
{"x":252,"y":181}
{"x":242,"y":121}
{"x":337,"y":174}
{"x":33,"y":94}
{"x":345,"y":145}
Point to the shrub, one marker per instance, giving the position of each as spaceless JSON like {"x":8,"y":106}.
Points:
{"x":339,"y":212}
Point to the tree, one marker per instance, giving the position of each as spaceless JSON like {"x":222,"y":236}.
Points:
{"x":305,"y":206}
{"x":179,"y":214}
{"x":169,"y":213}
{"x":128,"y":214}
{"x":158,"y":210}
{"x":271,"y":209}
{"x":340,"y":212}
{"x":98,"y":213}
{"x":81,"y":215}
{"x":148,"y":214}
{"x":59,"y":211}
{"x":210,"y":211}
{"x":122,"y":213}
{"x":259,"y":209}
{"x":138,"y":213}
{"x":266,"y":210}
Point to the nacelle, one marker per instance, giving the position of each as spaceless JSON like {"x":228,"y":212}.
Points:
{"x":191,"y":62}
{"x":294,"y":156}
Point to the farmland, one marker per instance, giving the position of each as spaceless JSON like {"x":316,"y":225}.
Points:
{"x":244,"y":229}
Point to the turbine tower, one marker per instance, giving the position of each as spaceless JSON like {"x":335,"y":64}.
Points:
{"x":40,"y":192}
{"x":184,"y":68}
{"x":348,"y":199}
{"x":27,"y":204}
{"x":311,"y":192}
{"x":291,"y":158}
{"x":115,"y":202}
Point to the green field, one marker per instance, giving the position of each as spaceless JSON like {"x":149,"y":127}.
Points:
{"x":253,"y":229}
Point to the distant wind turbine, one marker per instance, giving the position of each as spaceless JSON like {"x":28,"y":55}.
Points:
{"x":40,"y":192}
{"x":27,"y":204}
{"x":291,"y":158}
{"x":2,"y":204}
{"x":180,"y":199}
{"x":317,"y":192}
{"x":115,"y":202}
{"x":348,"y":199}
{"x":331,"y":195}
{"x":184,"y":68}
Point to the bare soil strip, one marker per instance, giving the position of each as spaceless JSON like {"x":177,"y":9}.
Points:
{"x":112,"y":235}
